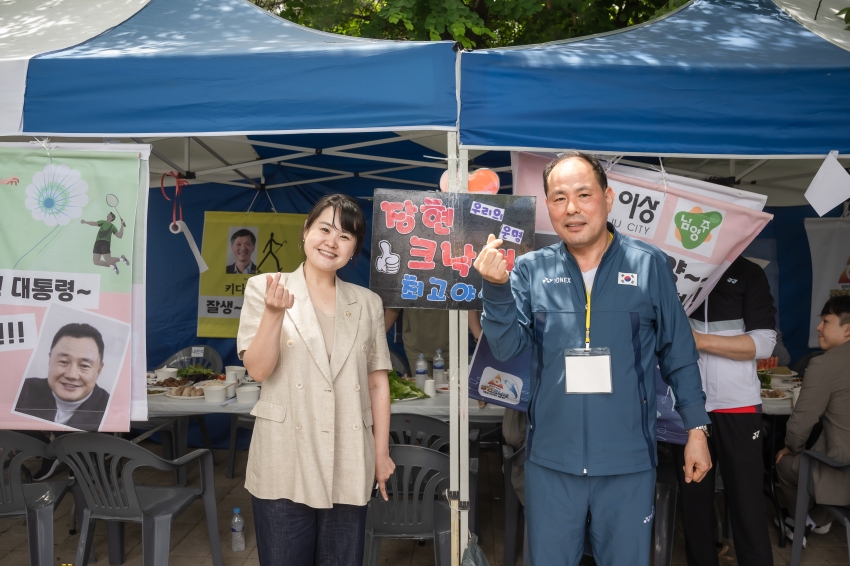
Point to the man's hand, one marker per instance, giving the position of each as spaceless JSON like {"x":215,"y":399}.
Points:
{"x":384,"y":468}
{"x":491,"y":264}
{"x":278,"y":298}
{"x":697,"y":456}
{"x":781,"y":453}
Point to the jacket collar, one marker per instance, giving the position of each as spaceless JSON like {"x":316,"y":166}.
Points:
{"x":303,"y":316}
{"x":602,"y":270}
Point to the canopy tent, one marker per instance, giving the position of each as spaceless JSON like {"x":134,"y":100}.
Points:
{"x":211,"y":66}
{"x":238,"y":102}
{"x":716,"y":78}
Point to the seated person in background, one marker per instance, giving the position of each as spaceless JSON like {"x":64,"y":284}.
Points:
{"x":825,"y":398}
{"x":242,"y":244}
{"x":69,"y":395}
{"x":424,"y":331}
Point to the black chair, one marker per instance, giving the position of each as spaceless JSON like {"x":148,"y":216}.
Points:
{"x":36,"y":501}
{"x":513,"y":507}
{"x":805,"y":492}
{"x":416,"y":508}
{"x":432,"y":433}
{"x":103,"y":467}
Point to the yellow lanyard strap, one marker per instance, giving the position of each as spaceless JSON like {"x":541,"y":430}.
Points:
{"x":587,"y":294}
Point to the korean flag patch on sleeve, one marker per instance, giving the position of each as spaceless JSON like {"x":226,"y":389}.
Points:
{"x":627,"y":279}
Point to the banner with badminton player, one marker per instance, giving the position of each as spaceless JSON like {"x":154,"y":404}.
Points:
{"x":67,"y":228}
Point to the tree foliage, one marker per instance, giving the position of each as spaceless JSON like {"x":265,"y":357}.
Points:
{"x":475,"y":24}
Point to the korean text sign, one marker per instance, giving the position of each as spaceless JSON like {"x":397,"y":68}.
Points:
{"x":236,"y":246}
{"x":67,"y":271}
{"x":424,"y":244}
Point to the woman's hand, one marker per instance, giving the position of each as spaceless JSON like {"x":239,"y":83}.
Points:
{"x":384,"y":468}
{"x":278,"y":298}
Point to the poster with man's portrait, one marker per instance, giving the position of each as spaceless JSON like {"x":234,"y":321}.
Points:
{"x":242,"y":250}
{"x":72,"y":256}
{"x":73,"y":369}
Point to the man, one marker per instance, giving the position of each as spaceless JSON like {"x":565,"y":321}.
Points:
{"x":591,"y":456}
{"x":825,"y":398}
{"x":103,"y":242}
{"x":733,"y":328}
{"x":242,"y":244}
{"x":424,"y":331}
{"x":69,"y":395}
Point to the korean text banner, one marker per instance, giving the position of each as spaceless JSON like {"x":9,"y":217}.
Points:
{"x":67,"y":228}
{"x":424,"y":244}
{"x":829,"y":241}
{"x":236,"y":246}
{"x":700,"y":226}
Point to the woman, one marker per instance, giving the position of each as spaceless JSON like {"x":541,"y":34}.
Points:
{"x":321,"y":438}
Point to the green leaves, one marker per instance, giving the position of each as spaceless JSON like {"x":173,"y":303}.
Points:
{"x":846,"y":13}
{"x":475,"y":24}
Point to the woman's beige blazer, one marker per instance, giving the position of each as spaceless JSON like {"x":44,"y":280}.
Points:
{"x":312,"y":441}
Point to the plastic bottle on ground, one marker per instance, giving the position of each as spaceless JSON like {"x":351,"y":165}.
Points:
{"x":439,"y":368}
{"x":237,"y":528}
{"x":421,"y":371}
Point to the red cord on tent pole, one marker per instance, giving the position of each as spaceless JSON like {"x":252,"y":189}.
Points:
{"x":178,"y":189}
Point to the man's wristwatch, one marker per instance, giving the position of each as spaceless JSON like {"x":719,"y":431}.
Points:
{"x":703,"y":428}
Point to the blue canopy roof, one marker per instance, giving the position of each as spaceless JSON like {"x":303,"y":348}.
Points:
{"x":215,"y":66}
{"x":719,"y":77}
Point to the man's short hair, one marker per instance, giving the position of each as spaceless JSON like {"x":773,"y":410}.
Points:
{"x":110,"y":214}
{"x":591,"y":160}
{"x":243,"y":232}
{"x":80,"y":330}
{"x":838,"y":305}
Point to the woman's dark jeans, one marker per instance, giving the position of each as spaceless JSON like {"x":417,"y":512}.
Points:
{"x":294,"y":534}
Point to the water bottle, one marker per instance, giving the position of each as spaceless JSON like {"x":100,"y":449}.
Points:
{"x":439,"y":368}
{"x":237,"y":526}
{"x":421,"y":371}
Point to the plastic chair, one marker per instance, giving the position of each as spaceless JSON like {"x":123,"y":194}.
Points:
{"x":429,"y":432}
{"x":36,"y":501}
{"x":237,"y":422}
{"x":416,"y":506}
{"x":513,"y":507}
{"x":174,"y":436}
{"x":103,"y":467}
{"x":805,"y":492}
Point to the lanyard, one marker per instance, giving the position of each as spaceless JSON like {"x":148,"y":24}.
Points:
{"x":587,"y":294}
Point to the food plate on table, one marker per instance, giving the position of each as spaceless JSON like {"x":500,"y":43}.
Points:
{"x":782,"y":372}
{"x":768,"y":395}
{"x":156,"y":391}
{"x":445,"y":389}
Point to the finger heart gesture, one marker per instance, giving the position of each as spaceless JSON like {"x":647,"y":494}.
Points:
{"x":278,"y":297}
{"x":491,"y":263}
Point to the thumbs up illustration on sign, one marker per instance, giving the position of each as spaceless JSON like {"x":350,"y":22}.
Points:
{"x":387,"y":262}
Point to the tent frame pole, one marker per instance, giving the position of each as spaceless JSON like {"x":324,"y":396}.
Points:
{"x":454,"y":424}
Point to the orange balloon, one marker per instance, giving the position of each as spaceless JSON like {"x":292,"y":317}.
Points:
{"x":484,"y":181}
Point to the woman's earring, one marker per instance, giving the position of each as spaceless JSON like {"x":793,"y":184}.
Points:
{"x":352,"y":257}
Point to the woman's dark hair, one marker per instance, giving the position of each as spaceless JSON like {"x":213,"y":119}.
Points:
{"x":350,"y":214}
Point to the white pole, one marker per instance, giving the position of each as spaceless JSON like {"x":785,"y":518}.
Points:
{"x":454,"y":421}
{"x":463,"y":389}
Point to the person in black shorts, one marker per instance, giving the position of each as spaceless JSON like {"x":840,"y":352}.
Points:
{"x":103,"y":243}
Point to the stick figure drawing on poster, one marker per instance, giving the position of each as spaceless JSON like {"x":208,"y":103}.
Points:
{"x":103,"y":242}
{"x":270,"y":249}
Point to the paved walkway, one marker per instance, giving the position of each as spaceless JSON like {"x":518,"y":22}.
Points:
{"x":190,"y":545}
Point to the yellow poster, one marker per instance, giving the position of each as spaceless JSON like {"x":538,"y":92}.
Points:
{"x":236,"y":246}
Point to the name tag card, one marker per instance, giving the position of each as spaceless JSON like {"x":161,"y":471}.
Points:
{"x":588,"y":370}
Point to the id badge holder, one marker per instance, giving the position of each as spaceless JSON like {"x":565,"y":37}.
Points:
{"x":588,"y":370}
